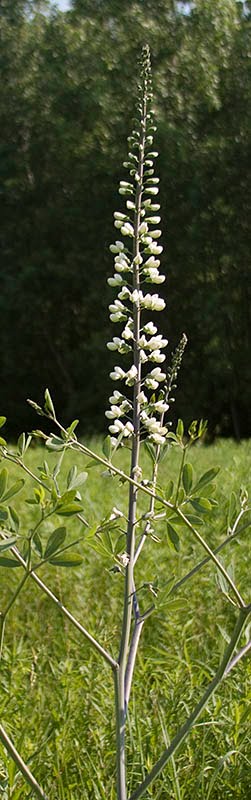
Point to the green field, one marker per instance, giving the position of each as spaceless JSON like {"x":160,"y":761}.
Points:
{"x":56,"y":694}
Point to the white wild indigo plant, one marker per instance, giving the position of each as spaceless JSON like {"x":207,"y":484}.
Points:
{"x":137,"y":416}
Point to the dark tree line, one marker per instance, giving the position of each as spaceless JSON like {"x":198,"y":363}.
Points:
{"x":68,"y":83}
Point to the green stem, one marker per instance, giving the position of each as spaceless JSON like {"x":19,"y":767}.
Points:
{"x":111,"y":661}
{"x":207,"y":559}
{"x":8,"y":744}
{"x":213,"y":557}
{"x":185,"y":729}
{"x":5,"y":613}
{"x":180,"y":475}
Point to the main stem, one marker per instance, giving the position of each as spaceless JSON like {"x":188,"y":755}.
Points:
{"x":120,"y":676}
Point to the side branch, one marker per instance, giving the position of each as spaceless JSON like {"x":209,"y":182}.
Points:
{"x":8,"y":744}
{"x":185,"y":729}
{"x":101,"y":650}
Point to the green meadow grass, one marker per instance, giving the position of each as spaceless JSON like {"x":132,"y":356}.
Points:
{"x":56,"y":694}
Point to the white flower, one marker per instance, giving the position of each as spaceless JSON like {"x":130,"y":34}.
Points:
{"x":127,"y":229}
{"x":153,"y":426}
{"x":127,"y":333}
{"x":152,"y":262}
{"x":157,"y":375}
{"x":126,"y":185}
{"x":117,"y":280}
{"x":117,"y":427}
{"x":151,"y":384}
{"x":124,"y":293}
{"x":122,"y":266}
{"x":138,"y":260}
{"x":153,"y":302}
{"x":152,"y":190}
{"x":114,"y":413}
{"x":117,"y":247}
{"x":128,"y":429}
{"x":161,"y":407}
{"x":130,"y":205}
{"x":155,"y":249}
{"x":158,"y":279}
{"x":143,"y":357}
{"x":131,"y":375}
{"x":142,"y":399}
{"x":136,"y":296}
{"x":117,"y":374}
{"x":142,"y":342}
{"x":118,"y":223}
{"x":124,"y":558}
{"x":150,"y":328}
{"x":125,"y":406}
{"x":143,"y":228}
{"x":116,"y":306}
{"x":156,"y":342}
{"x":151,"y":273}
{"x":156,"y":234}
{"x":157,"y":438}
{"x":116,"y":513}
{"x":119,"y":215}
{"x":157,"y":357}
{"x":116,"y":397}
{"x":146,"y":240}
{"x":118,"y":317}
{"x":154,"y":220}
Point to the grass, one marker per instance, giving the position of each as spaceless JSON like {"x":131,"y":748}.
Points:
{"x":56,"y":696}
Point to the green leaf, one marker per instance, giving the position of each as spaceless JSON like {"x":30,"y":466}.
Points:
{"x":232,"y":508}
{"x":73,"y":560}
{"x":9,"y":562}
{"x":194,"y":519}
{"x":56,"y":539}
{"x":2,"y":421}
{"x":3,"y":480}
{"x":71,"y":476}
{"x":68,"y":510}
{"x":21,"y":443}
{"x":36,"y":407}
{"x":48,"y":406}
{"x":38,"y":543}
{"x":55,"y":443}
{"x":14,"y":489}
{"x":3,"y":514}
{"x":180,"y":429}
{"x":2,"y":441}
{"x":14,"y":519}
{"x":8,"y":543}
{"x":187,"y":477}
{"x":173,"y":536}
{"x":107,"y":447}
{"x":201,"y":504}
{"x":67,"y":497}
{"x":206,"y":478}
{"x":72,"y":427}
{"x":150,"y":450}
{"x":169,"y":490}
{"x":78,"y":480}
{"x":39,"y":495}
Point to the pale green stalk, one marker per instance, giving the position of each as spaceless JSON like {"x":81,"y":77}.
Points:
{"x":8,"y":744}
{"x":133,"y":489}
{"x":185,"y":729}
{"x":97,"y":646}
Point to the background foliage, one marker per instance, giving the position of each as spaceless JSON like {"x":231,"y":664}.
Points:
{"x":66,"y":102}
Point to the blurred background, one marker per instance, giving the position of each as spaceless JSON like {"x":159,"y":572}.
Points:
{"x":67,"y":96}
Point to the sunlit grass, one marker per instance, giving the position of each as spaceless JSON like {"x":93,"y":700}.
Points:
{"x":56,"y":694}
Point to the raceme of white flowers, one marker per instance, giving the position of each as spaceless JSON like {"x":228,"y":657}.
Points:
{"x":138,"y":225}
